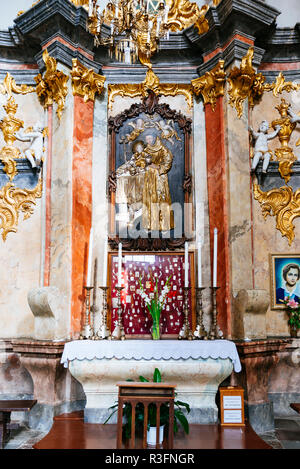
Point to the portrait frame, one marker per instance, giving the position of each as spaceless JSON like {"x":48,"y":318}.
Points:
{"x":151,"y":107}
{"x":170,"y":256}
{"x":277,"y":263}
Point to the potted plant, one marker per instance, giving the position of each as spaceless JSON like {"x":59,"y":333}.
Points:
{"x":179,"y":416}
{"x":293,"y":311}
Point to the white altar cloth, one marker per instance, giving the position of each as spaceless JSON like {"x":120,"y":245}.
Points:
{"x":151,"y":350}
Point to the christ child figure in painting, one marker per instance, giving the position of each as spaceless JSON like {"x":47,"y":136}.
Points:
{"x":261,"y":150}
{"x":36,"y":138}
{"x":291,"y":275}
{"x":157,"y":214}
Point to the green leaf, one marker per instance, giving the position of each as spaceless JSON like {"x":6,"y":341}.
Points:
{"x":156,"y":376}
{"x":183,"y":420}
{"x":144,"y":380}
{"x":183,"y":404}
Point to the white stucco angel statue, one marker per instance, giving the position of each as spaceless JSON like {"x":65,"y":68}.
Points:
{"x":261,"y":150}
{"x":36,"y":138}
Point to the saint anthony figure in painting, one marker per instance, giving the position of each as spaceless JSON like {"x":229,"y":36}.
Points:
{"x":291,"y":275}
{"x":157,"y":214}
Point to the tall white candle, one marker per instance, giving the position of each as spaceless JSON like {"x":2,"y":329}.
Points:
{"x":120,"y":265}
{"x":215,"y":257}
{"x":199,"y":265}
{"x":186,"y":265}
{"x":89,"y":269}
{"x":104,"y":281}
{"x":90,"y":7}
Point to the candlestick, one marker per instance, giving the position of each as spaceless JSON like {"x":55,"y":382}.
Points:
{"x":120,"y":265}
{"x":87,"y":331}
{"x":215,"y":257}
{"x":103,"y":332}
{"x":200,"y":332}
{"x":104,"y":281}
{"x":89,"y":270}
{"x":186,"y":265}
{"x":118,"y":332}
{"x":186,"y":332}
{"x":213,"y":333}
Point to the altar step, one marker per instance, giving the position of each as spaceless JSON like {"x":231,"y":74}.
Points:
{"x":69,"y":431}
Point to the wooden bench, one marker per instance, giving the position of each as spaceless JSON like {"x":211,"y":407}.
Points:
{"x":296,"y":407}
{"x":6,"y":407}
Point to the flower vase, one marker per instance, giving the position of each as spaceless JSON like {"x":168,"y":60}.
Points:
{"x":155,"y":331}
{"x":151,"y":436}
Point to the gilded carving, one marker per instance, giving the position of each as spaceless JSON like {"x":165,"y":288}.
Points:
{"x":9,"y":86}
{"x":9,"y":125}
{"x":281,"y":85}
{"x":52,"y":87}
{"x":184,"y":14}
{"x":211,"y":85}
{"x":285,"y":154}
{"x":12,"y":201}
{"x":245,"y":83}
{"x":282,"y":203}
{"x":85,"y":82}
{"x":151,"y":82}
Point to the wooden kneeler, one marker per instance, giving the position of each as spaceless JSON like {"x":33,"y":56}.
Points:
{"x":145,"y":393}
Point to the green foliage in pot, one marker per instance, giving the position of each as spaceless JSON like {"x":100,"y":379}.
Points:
{"x":179,"y":416}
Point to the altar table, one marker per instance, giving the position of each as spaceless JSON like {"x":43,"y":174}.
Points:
{"x":197,"y":368}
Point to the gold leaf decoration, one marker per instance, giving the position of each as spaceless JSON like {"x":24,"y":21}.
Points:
{"x":285,"y":154}
{"x":245,"y":83}
{"x":14,"y":200}
{"x":85,"y":82}
{"x":183,"y":14}
{"x":211,"y":85}
{"x":282,"y":203}
{"x":281,"y":85}
{"x":151,"y":82}
{"x":52,"y":87}
{"x":9,"y":126}
{"x":9,"y":86}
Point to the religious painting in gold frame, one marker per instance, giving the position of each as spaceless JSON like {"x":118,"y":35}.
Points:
{"x":284,"y":278}
{"x":149,"y":184}
{"x":142,"y":266}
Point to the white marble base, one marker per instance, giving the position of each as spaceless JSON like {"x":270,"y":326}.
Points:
{"x":197,"y":382}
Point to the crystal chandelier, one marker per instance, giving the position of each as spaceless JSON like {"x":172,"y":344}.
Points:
{"x":133,"y":27}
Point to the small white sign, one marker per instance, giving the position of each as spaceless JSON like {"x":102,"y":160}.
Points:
{"x":232,"y":416}
{"x":232,"y":402}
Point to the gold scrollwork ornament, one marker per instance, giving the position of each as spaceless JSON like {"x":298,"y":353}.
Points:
{"x":211,"y":85}
{"x":14,"y":200}
{"x":245,"y":83}
{"x":282,"y":203}
{"x":9,"y":125}
{"x":52,"y":87}
{"x":85,"y":82}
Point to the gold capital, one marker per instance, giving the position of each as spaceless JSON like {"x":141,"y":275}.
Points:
{"x":211,"y":85}
{"x":85,"y":82}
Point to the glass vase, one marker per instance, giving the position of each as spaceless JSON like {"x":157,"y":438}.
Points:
{"x":155,"y":331}
{"x":293,"y":330}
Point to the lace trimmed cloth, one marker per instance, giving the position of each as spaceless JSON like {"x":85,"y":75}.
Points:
{"x":151,"y":350}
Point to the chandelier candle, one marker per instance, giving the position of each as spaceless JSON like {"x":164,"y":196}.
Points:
{"x":199,"y":265}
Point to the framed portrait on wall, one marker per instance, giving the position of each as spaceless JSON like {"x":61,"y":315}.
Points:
{"x":285,"y":278}
{"x":149,"y":268}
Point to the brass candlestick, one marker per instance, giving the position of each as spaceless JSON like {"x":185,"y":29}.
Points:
{"x":118,"y":332}
{"x":86,"y":332}
{"x":186,"y":332}
{"x":103,"y":332}
{"x":213,"y":333}
{"x":200,"y":332}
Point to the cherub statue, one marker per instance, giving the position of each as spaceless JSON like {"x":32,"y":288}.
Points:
{"x":167,"y":131}
{"x":35,"y":152}
{"x":261,"y":150}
